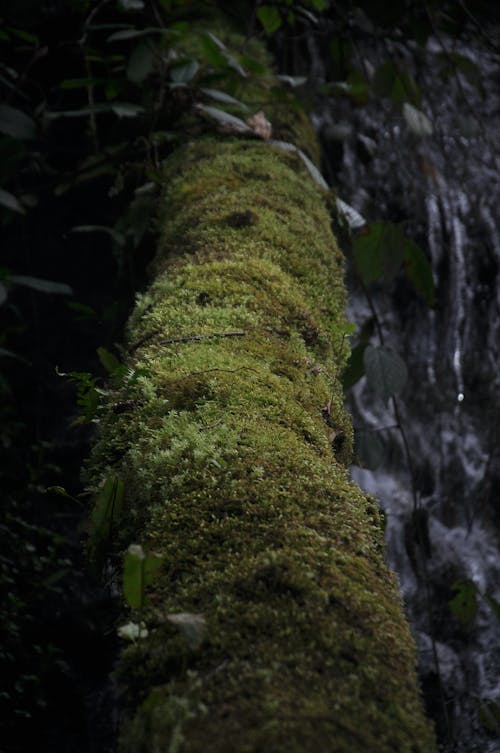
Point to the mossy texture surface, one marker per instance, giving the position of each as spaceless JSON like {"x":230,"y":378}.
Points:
{"x":233,"y":452}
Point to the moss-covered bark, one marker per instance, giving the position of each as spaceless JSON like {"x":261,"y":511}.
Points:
{"x":232,"y":450}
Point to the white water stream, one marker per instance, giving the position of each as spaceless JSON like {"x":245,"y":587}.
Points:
{"x":445,"y":190}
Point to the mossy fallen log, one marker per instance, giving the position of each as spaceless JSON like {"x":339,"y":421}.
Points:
{"x":232,"y":446}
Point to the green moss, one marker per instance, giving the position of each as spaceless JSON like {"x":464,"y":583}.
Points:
{"x":233,"y":454}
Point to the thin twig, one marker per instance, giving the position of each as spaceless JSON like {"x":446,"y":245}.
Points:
{"x":184,"y":338}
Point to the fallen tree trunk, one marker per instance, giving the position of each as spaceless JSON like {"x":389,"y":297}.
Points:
{"x":231,"y":443}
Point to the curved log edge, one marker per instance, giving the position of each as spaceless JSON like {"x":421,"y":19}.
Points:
{"x":232,"y":447}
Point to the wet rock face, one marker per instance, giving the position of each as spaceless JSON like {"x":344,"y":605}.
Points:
{"x":445,"y":188}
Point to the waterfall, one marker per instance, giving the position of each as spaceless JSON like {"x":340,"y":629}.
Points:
{"x":444,"y":189}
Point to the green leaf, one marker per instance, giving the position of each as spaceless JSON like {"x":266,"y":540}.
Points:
{"x":126,"y":109}
{"x":61,"y":492}
{"x":131,"y":5}
{"x":349,"y":329}
{"x":139,"y":571}
{"x":356,"y":87}
{"x":133,"y":576}
{"x":121,"y":109}
{"x":83,"y":311}
{"x":489,"y":716}
{"x":352,"y":217}
{"x":385,"y":371}
{"x":4,"y":353}
{"x":464,"y":604}
{"x":223,"y":97}
{"x":9,"y":201}
{"x":379,"y":251}
{"x":108,"y":360}
{"x":42,"y":286}
{"x":235,"y":65}
{"x":119,"y":36}
{"x":118,"y":238}
{"x":141,"y":63}
{"x":292,"y":81}
{"x":226,"y":121}
{"x":368,"y":449}
{"x":25,"y":36}
{"x":355,"y":368}
{"x":192,"y":626}
{"x":16,"y":123}
{"x":80,"y":83}
{"x":340,"y":55}
{"x":105,"y":515}
{"x":213,"y":50}
{"x":270,"y":18}
{"x":417,"y":121}
{"x":418,"y":271}
{"x":253,"y":65}
{"x":185,"y":72}
{"x":395,"y":83}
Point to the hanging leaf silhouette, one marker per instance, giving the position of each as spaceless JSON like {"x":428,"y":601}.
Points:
{"x":378,"y":251}
{"x":418,"y":271}
{"x":368,"y":449}
{"x":385,"y":370}
{"x":464,"y":603}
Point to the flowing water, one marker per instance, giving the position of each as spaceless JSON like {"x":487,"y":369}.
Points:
{"x":444,"y":188}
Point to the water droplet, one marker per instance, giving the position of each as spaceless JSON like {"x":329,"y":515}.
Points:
{"x":460,"y":397}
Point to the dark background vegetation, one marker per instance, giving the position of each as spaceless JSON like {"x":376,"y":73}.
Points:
{"x":85,"y":123}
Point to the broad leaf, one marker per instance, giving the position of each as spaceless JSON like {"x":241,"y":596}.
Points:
{"x":394,"y":82}
{"x":139,"y":571}
{"x":270,"y":18}
{"x":121,"y":109}
{"x":104,"y":517}
{"x":226,"y":121}
{"x":15,"y":123}
{"x":213,"y":50}
{"x":379,"y":251}
{"x":353,"y":218}
{"x":108,"y":360}
{"x":464,"y":603}
{"x":42,"y":286}
{"x":489,"y":716}
{"x":118,"y":238}
{"x":418,"y":271}
{"x":292,"y":81}
{"x":140,"y":63}
{"x":385,"y":371}
{"x":355,"y":368}
{"x":223,"y":97}
{"x":132,"y":5}
{"x":417,"y":121}
{"x":9,"y":201}
{"x":5,"y":353}
{"x":368,"y":449}
{"x":184,"y":73}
